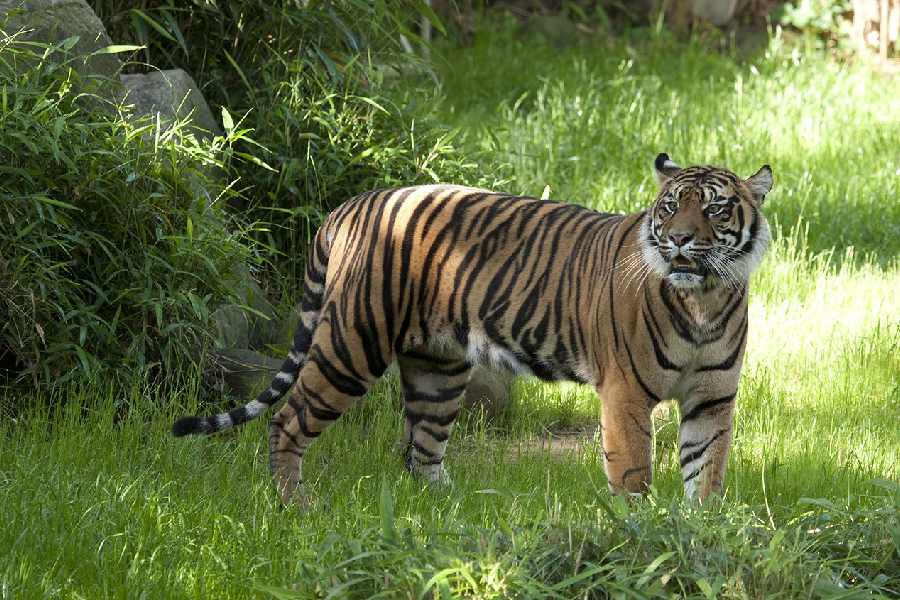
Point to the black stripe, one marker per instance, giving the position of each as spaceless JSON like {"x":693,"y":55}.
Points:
{"x":696,"y":472}
{"x":405,"y":287}
{"x":295,"y":452}
{"x":369,"y":343}
{"x":387,"y":262}
{"x":439,"y":436}
{"x":740,"y":330}
{"x":706,"y":406}
{"x":238,"y":415}
{"x":289,"y":435}
{"x":649,"y":308}
{"x":689,"y":458}
{"x":322,"y":414}
{"x":296,"y":404}
{"x":640,"y":427}
{"x":440,"y":396}
{"x":339,"y":381}
{"x":441,"y":420}
{"x":681,"y":325}
{"x":339,"y":345}
{"x":423,"y":450}
{"x":632,"y":471}
{"x":612,"y":315}
{"x":304,"y":427}
{"x":315,"y":275}
{"x":723,"y":317}
{"x":732,"y":358}
{"x":314,"y":397}
{"x":661,"y":359}
{"x":640,"y":381}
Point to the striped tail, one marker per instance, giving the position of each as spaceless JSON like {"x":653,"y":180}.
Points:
{"x":310,"y":308}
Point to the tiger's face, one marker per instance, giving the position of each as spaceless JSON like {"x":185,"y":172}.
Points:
{"x":705,"y":227}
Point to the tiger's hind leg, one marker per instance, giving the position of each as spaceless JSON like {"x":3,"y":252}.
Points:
{"x":334,"y":376}
{"x":432,"y":392}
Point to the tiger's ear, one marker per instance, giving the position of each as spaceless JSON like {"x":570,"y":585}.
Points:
{"x":760,"y":183}
{"x":664,"y":168}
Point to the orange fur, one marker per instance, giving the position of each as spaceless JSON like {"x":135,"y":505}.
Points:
{"x":644,"y":307}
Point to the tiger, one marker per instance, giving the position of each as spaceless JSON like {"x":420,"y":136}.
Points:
{"x":644,"y":307}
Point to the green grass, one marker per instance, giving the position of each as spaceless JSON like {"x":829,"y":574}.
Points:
{"x":96,"y":505}
{"x":95,"y":509}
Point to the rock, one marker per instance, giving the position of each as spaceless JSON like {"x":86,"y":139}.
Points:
{"x":52,"y":21}
{"x":556,"y":29}
{"x":488,"y":389}
{"x":238,"y":328}
{"x":717,"y":12}
{"x":173,"y":94}
{"x":246,"y":372}
{"x":232,"y":327}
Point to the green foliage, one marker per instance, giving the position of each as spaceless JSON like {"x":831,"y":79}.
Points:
{"x":114,"y":248}
{"x":811,"y":504}
{"x":819,"y":16}
{"x":132,"y":260}
{"x":327,"y":91}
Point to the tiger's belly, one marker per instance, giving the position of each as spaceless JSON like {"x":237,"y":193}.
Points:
{"x":549,"y":362}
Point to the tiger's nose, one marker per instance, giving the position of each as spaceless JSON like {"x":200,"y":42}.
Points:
{"x":680,"y":239}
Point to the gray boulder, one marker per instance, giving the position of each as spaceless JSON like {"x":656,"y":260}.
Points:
{"x":241,"y":334}
{"x":52,"y":21}
{"x":488,"y":389}
{"x":246,"y":372}
{"x":172,"y":94}
{"x":717,"y":12}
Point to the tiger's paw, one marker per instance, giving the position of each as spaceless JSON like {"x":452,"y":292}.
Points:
{"x":436,"y":476}
{"x":442,"y":480}
{"x":291,"y":493}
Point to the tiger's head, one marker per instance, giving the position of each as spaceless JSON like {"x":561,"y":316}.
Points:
{"x":705,"y":227}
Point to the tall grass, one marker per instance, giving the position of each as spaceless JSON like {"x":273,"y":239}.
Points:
{"x":588,"y":122}
{"x":123,"y":510}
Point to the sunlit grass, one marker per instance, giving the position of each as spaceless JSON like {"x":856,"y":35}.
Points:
{"x":588,"y":122}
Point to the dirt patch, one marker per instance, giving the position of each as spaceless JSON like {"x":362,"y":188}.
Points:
{"x":558,"y":444}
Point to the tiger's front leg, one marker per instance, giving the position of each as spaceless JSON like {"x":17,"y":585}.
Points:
{"x":704,"y":441}
{"x":627,"y":439}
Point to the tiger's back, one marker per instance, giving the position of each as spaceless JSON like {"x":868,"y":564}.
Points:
{"x":486,"y":275}
{"x":440,"y":278}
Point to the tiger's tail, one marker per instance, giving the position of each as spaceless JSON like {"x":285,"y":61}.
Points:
{"x":310,"y":308}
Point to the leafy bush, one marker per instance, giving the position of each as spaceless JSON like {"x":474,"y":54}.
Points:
{"x":327,"y":89}
{"x":114,"y":247}
{"x":110,"y":258}
{"x":825,"y":19}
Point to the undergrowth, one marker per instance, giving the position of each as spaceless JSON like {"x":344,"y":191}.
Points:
{"x":114,"y":243}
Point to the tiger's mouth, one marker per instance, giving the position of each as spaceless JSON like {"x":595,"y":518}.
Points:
{"x":683,"y":264}
{"x":686,"y":273}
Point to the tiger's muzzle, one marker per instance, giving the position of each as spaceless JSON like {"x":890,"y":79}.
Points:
{"x":686,"y":269}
